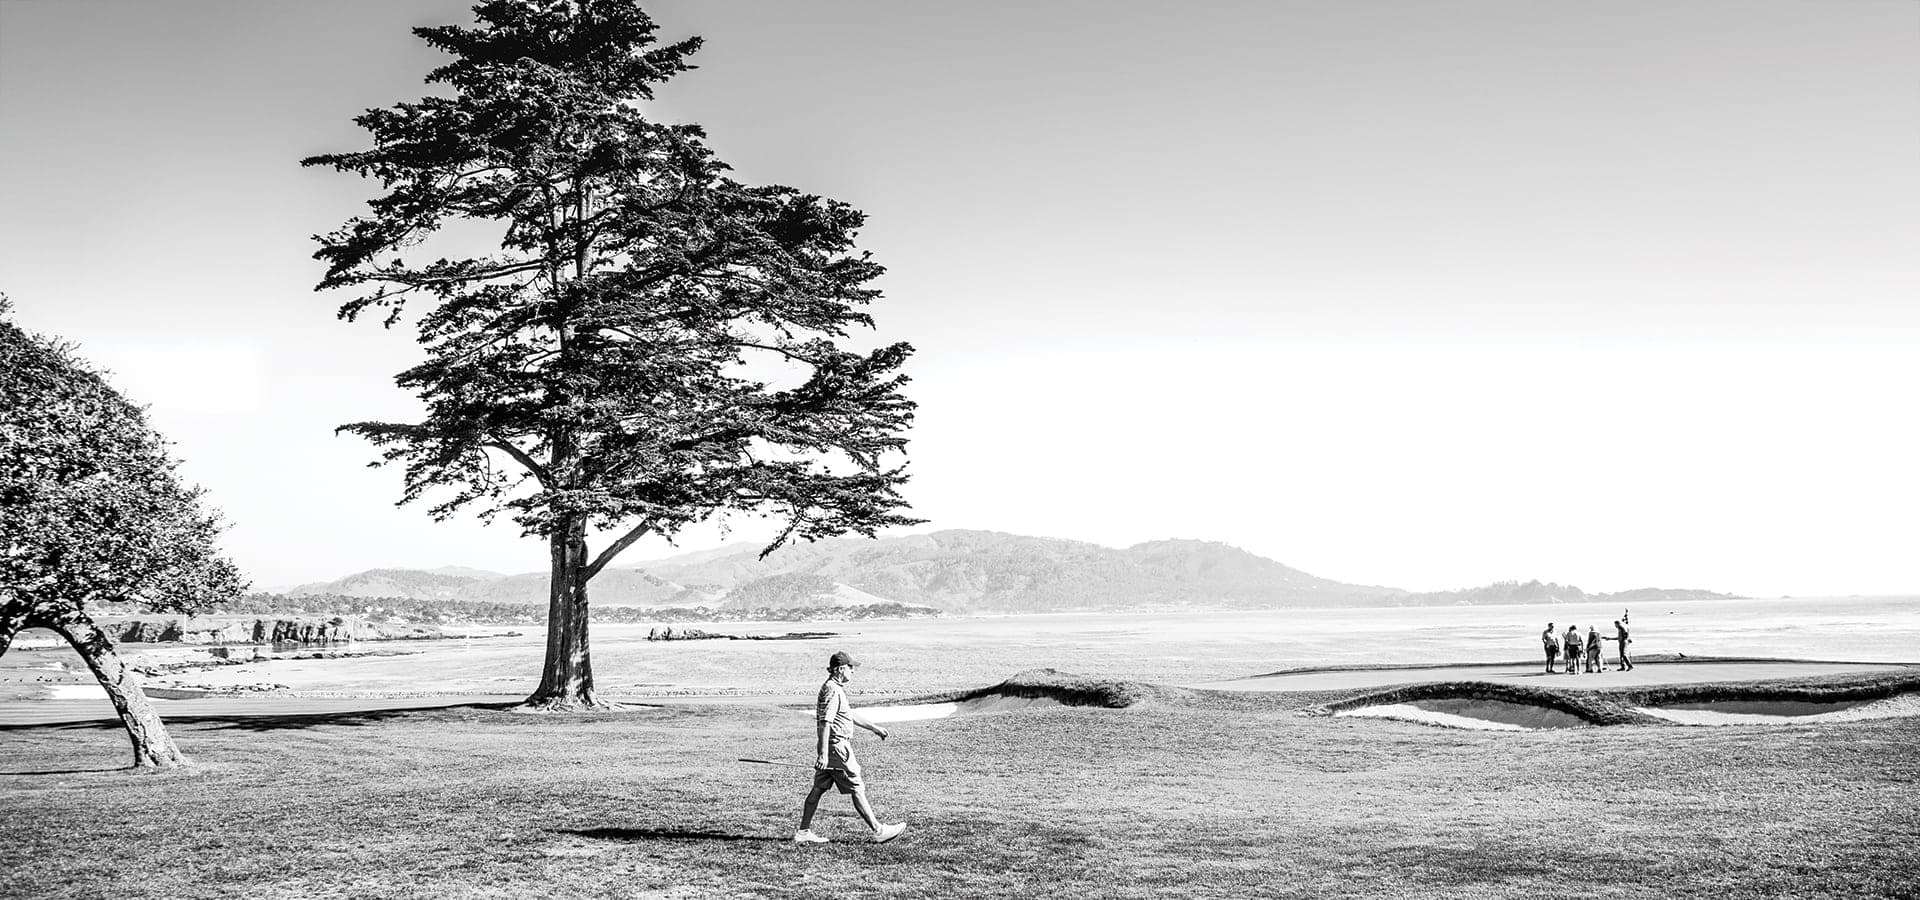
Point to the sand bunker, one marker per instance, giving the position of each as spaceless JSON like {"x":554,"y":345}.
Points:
{"x":75,"y":692}
{"x":1784,"y":712}
{"x":1507,"y":715}
{"x":920,"y":711}
{"x":96,"y":692}
{"x":1486,"y":715}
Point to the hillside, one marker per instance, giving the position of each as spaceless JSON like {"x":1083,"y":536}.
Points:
{"x":957,"y":571}
{"x":1516,"y":592}
{"x":614,"y":587}
{"x":413,"y":584}
{"x":966,"y":571}
{"x":987,"y":571}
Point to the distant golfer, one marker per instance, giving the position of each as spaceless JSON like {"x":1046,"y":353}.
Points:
{"x":1573,"y":649}
{"x":1551,"y":642}
{"x":1594,"y":662}
{"x":833,"y":764}
{"x":1619,"y":626}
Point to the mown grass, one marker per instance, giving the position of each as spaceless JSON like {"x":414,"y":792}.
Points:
{"x":1186,"y":795}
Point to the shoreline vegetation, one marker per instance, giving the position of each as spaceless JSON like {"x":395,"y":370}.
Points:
{"x":329,"y":620}
{"x":483,"y":612}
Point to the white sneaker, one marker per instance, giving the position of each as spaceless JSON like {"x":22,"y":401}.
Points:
{"x":889,"y":832}
{"x":806,"y":836}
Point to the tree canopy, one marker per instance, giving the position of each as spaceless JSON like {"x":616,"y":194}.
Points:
{"x":649,"y":343}
{"x":90,"y":505}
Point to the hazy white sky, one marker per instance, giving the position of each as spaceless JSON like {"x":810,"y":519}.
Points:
{"x":1427,"y":294}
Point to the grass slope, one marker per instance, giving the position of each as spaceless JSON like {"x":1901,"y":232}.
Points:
{"x":1197,"y":794}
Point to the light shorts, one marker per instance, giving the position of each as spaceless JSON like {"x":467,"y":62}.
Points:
{"x":843,"y":771}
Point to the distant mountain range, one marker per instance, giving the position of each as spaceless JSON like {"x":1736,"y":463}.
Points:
{"x":960,"y":572}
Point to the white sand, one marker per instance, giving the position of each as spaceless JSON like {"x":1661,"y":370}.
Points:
{"x":1494,"y":715}
{"x":920,"y":711}
{"x":911,"y":713}
{"x":75,"y":692}
{"x":1407,"y":712}
{"x":1784,"y":713}
{"x":1484,"y":715}
{"x":85,"y":692}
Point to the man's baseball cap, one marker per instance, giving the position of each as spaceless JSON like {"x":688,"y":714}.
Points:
{"x":840,"y":658}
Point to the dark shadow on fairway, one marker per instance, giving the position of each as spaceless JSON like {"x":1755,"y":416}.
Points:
{"x":347,"y":717}
{"x":654,"y":834}
{"x":67,"y":771}
{"x":275,"y":721}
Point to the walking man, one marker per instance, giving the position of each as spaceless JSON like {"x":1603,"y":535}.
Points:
{"x":834,"y":764}
{"x":1551,"y":642}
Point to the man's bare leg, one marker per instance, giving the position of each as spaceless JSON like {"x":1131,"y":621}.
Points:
{"x":812,"y":806}
{"x":866,"y":812}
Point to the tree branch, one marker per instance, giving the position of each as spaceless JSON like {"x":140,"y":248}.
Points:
{"x":408,"y":278}
{"x":613,"y":550}
{"x":539,"y":472}
{"x":780,"y":350}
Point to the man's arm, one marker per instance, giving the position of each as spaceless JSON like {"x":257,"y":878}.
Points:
{"x":823,"y":728}
{"x":861,"y":721}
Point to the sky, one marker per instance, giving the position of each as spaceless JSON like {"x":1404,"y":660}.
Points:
{"x":1400,"y":292}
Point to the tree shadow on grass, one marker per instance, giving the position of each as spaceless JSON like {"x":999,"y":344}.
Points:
{"x":1481,"y":868}
{"x":655,"y":834}
{"x":270,"y":721}
{"x":94,"y":771}
{"x":342,"y":717}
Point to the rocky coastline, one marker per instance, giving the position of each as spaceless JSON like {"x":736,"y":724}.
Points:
{"x":280,"y":630}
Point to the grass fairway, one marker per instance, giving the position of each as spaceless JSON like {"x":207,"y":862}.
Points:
{"x":1205,"y":796}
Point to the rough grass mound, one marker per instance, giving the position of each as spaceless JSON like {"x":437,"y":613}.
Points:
{"x":1616,"y":706}
{"x":1065,"y":688}
{"x":1823,"y":689}
{"x":1587,"y":706}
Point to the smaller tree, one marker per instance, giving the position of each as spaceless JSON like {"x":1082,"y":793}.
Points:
{"x":91,"y":513}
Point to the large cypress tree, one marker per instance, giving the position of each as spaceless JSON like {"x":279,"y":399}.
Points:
{"x":650,"y":344}
{"x":92,"y":517}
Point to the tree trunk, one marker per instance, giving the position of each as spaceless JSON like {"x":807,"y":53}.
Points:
{"x":153,"y":748}
{"x":566,"y":681}
{"x":10,"y":625}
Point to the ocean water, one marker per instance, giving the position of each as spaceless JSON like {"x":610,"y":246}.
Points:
{"x":1199,"y":647}
{"x":911,"y":656}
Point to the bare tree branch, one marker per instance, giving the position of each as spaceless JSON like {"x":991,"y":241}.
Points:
{"x":538,"y":471}
{"x":606,"y":556}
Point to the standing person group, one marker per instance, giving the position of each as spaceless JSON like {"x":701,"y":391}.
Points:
{"x":1569,"y":652}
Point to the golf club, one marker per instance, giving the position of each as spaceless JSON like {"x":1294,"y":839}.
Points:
{"x":771,"y":762}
